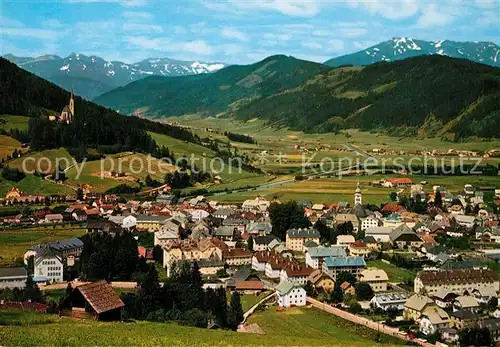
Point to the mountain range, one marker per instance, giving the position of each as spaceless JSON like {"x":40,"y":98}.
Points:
{"x":405,"y":47}
{"x":91,"y":76}
{"x":425,"y":95}
{"x":210,"y":94}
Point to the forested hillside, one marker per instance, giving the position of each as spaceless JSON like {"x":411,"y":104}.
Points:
{"x":212,"y":93}
{"x":22,"y":93}
{"x":432,"y":95}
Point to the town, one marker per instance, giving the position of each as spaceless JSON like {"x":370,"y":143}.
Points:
{"x":421,"y":268}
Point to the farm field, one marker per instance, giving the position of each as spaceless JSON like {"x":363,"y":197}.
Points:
{"x":294,"y":327}
{"x":44,"y":161}
{"x":34,"y":185}
{"x":333,"y":190}
{"x":232,"y":177}
{"x":8,"y":145}
{"x":9,"y":122}
{"x":396,"y":274}
{"x":14,"y":243}
{"x":279,"y":139}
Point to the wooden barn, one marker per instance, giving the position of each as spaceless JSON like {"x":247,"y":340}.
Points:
{"x":97,"y":300}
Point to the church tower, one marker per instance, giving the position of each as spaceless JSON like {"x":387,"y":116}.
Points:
{"x":72,"y":106}
{"x":358,"y":196}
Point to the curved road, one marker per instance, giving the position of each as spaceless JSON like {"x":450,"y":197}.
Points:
{"x":363,"y":321}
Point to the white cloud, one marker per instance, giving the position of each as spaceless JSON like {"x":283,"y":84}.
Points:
{"x":394,"y":10}
{"x":335,"y":45}
{"x":353,"y":32}
{"x":8,"y":22}
{"x":296,"y":8}
{"x":124,"y":3}
{"x":233,"y":33}
{"x":198,"y":47}
{"x":486,"y":3}
{"x":53,"y":24}
{"x":312,"y":45}
{"x":434,"y":15}
{"x":42,"y":34}
{"x":142,"y":28}
{"x":179,"y":30}
{"x":278,"y":37}
{"x":137,"y":15}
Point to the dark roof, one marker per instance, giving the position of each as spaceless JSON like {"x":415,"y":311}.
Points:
{"x":369,"y":239}
{"x":264,"y":240}
{"x":13,"y":272}
{"x":465,"y":314}
{"x":403,"y":233}
{"x":457,"y":276}
{"x":62,"y":245}
{"x":101,"y":296}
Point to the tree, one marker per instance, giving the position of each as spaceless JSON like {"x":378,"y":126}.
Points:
{"x":79,"y":194}
{"x":438,"y":199}
{"x":393,"y":196}
{"x":195,"y":318}
{"x":363,"y":291}
{"x":355,"y":308}
{"x":285,"y":217}
{"x":337,"y":294}
{"x":310,"y":289}
{"x":235,"y":313}
{"x":493,"y":303}
{"x":69,"y":289}
{"x":250,"y":243}
{"x":345,"y":276}
{"x":475,"y":337}
{"x":31,"y":291}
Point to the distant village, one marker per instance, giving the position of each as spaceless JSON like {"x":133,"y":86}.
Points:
{"x":346,"y":256}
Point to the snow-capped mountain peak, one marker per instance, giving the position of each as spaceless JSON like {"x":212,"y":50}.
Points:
{"x":404,"y":47}
{"x":106,"y":74}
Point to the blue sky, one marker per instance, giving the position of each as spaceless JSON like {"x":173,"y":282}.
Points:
{"x":235,"y":31}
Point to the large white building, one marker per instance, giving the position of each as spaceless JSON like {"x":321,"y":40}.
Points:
{"x":456,"y":281}
{"x":48,"y":266}
{"x":289,"y":293}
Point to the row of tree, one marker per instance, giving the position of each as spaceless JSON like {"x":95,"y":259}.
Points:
{"x":182,"y":299}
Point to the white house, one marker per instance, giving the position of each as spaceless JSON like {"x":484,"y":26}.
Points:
{"x":289,"y":293}
{"x":199,"y":214}
{"x":376,"y":278}
{"x":345,"y":240}
{"x":13,"y":277}
{"x":369,"y":222}
{"x":434,"y":319}
{"x":48,"y":266}
{"x":386,"y":301}
{"x":129,"y":222}
{"x":380,"y":234}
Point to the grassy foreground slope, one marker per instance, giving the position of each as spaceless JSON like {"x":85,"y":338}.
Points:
{"x":295,"y":327}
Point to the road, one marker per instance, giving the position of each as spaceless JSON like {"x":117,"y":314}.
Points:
{"x":254,"y":307}
{"x":363,"y":321}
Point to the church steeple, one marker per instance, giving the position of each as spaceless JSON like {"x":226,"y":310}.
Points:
{"x":72,"y":105}
{"x":358,"y":196}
